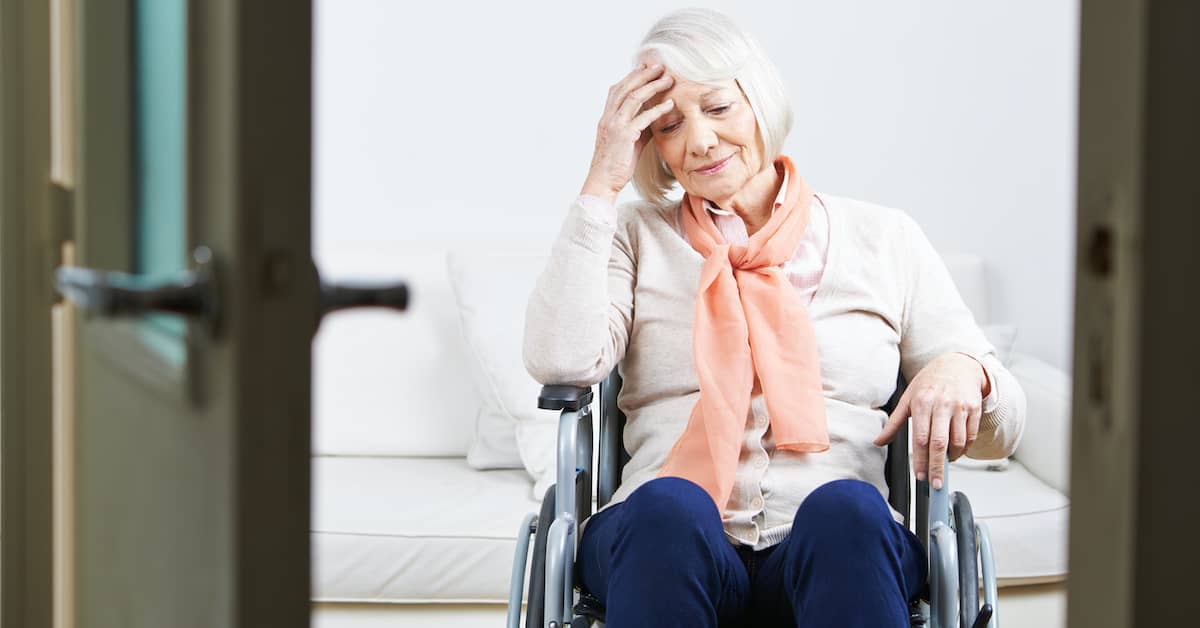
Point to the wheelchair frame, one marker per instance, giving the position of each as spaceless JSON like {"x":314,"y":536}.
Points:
{"x":958,"y":547}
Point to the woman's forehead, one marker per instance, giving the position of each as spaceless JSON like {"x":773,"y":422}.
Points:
{"x":684,"y":91}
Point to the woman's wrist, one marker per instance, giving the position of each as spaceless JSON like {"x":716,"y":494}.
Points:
{"x":985,"y":382}
{"x":601,"y":191}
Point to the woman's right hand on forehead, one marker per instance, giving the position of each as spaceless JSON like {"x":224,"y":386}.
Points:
{"x":624,"y":129}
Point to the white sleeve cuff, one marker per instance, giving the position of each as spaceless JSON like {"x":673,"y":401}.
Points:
{"x":990,"y":401}
{"x":598,"y":209}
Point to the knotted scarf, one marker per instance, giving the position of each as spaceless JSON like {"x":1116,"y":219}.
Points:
{"x":751,"y":331}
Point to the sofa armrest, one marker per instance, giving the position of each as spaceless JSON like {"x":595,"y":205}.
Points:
{"x":1045,"y":447}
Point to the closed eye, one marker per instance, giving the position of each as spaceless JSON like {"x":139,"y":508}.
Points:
{"x":716,"y":111}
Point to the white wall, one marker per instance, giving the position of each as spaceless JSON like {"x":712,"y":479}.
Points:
{"x":474,"y":120}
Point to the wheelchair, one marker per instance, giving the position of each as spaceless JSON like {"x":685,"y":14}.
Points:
{"x":959,"y":548}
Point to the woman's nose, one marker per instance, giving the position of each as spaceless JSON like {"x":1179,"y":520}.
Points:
{"x":701,"y":139}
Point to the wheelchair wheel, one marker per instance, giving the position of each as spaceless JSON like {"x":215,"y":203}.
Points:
{"x":535,"y":609}
{"x":968,"y":560}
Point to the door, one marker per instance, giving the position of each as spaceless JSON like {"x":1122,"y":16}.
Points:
{"x":1133,"y":546}
{"x":183,"y":435}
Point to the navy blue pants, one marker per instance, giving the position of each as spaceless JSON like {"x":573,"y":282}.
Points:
{"x":661,"y":558}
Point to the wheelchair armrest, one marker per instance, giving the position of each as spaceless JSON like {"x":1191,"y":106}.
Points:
{"x":564,"y":397}
{"x":573,"y":451}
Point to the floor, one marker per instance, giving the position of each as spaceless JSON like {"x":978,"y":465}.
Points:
{"x":1037,"y":606}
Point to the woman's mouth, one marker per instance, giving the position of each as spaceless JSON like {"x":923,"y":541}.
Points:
{"x":714,"y":168}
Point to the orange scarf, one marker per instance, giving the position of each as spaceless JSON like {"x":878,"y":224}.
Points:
{"x":751,"y":329}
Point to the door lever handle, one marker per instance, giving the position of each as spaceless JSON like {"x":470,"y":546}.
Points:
{"x":340,"y":296}
{"x":193,"y":293}
{"x":112,"y":294}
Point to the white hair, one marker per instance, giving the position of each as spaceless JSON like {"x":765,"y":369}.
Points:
{"x":706,"y":46}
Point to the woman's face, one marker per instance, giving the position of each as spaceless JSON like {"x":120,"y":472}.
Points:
{"x":710,"y":139}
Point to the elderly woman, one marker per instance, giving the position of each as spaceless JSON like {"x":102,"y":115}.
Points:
{"x":759,"y":327}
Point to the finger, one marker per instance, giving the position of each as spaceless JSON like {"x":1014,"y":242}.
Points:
{"x":896,"y":421}
{"x":921,"y":406}
{"x":958,"y":432}
{"x":638,"y":97}
{"x":973,"y":419}
{"x":636,"y":77}
{"x":617,"y":90}
{"x":939,"y":440}
{"x":640,"y":145}
{"x":647,"y":117}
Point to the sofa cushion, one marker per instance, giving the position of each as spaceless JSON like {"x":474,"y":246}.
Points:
{"x":1045,"y":447}
{"x":432,"y":530}
{"x":387,"y":383}
{"x":414,"y":529}
{"x":1027,"y":520}
{"x":491,"y":289}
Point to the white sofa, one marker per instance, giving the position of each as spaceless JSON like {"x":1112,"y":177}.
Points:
{"x":406,"y":533}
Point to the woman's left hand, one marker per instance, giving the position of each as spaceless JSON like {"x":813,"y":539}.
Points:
{"x":944,"y":401}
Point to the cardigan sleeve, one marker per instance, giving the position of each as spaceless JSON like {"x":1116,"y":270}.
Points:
{"x":579,"y":315}
{"x":936,"y":321}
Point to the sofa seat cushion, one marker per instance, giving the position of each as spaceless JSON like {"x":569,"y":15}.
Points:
{"x":435,"y":530}
{"x":1026,"y":517}
{"x":414,"y":529}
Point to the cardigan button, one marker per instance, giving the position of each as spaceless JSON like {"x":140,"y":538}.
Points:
{"x":756,"y":502}
{"x":761,"y":420}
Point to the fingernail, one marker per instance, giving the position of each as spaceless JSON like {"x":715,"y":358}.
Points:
{"x":937,"y":484}
{"x":921,"y":476}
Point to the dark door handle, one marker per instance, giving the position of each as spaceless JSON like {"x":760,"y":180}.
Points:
{"x":193,"y":293}
{"x":111,"y":294}
{"x":343,"y":295}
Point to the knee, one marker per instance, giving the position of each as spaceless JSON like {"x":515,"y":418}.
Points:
{"x":671,"y":506}
{"x":670,"y":526}
{"x":849,"y":510}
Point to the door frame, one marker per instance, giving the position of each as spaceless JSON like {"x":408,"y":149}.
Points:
{"x":27,"y":255}
{"x":1133,"y":513}
{"x":262,"y":99}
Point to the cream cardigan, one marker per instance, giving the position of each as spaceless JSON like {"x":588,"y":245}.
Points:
{"x":624,"y":292}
